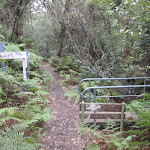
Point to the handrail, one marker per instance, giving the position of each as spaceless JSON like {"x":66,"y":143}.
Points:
{"x":111,"y":87}
{"x":106,"y":79}
{"x":108,"y":87}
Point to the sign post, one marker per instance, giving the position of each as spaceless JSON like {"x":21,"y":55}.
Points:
{"x":2,"y":50}
{"x":16,"y":55}
{"x":28,"y":60}
{"x":27,"y":71}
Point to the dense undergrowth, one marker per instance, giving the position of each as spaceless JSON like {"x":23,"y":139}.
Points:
{"x":23,"y":114}
{"x":135,"y":136}
{"x":98,"y":39}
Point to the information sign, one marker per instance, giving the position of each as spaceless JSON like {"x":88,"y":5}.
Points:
{"x":17,"y":55}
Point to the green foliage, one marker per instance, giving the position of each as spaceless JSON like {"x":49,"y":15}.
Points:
{"x":141,"y":128}
{"x":8,"y":82}
{"x":104,"y":92}
{"x":54,"y":61}
{"x":43,"y":36}
{"x":68,"y":68}
{"x":113,"y":136}
{"x":13,"y":139}
{"x":64,"y":64}
{"x":36,"y":61}
{"x":103,"y":38}
{"x":16,"y":64}
{"x":73,"y":94}
{"x":19,"y":108}
{"x":2,"y":37}
{"x":93,"y":147}
{"x":12,"y":18}
{"x":47,"y":78}
{"x":28,"y":41}
{"x":137,"y":136}
{"x":68,"y":63}
{"x":109,"y":136}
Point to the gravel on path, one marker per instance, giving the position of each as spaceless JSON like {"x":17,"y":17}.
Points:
{"x":62,"y":131}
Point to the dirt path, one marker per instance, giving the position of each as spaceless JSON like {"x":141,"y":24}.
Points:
{"x":62,"y":131}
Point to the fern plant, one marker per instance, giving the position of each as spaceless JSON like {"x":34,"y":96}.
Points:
{"x":68,"y":68}
{"x":2,"y":37}
{"x":107,"y":138}
{"x":15,"y":139}
{"x":141,"y":128}
{"x":19,"y":108}
{"x":73,"y":94}
{"x":113,"y":138}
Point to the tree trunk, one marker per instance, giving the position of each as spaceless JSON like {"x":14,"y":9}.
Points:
{"x":63,"y":30}
{"x":14,"y":34}
{"x":19,"y":10}
{"x":127,"y":46}
{"x":61,"y":39}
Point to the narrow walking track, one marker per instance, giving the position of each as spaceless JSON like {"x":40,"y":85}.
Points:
{"x":62,"y":132}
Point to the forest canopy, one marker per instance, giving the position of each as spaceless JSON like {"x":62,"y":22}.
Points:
{"x":77,"y":39}
{"x":109,"y":37}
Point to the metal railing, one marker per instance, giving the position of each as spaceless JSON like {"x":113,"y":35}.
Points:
{"x":90,"y":88}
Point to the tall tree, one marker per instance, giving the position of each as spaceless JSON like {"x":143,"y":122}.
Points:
{"x":12,"y":11}
{"x":63,"y":28}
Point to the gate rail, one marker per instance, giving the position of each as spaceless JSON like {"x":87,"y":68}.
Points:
{"x":110,"y":87}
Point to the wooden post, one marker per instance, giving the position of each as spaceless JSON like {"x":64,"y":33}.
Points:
{"x":2,"y":50}
{"x":28,"y":67}
{"x":26,"y":71}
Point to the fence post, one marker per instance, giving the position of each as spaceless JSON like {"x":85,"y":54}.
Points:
{"x":94,"y":102}
{"x":144,"y":88}
{"x":82,"y":115}
{"x":89,"y":91}
{"x":122,"y":119}
{"x":3,"y":62}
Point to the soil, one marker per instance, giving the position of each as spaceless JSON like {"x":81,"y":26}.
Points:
{"x":62,"y":131}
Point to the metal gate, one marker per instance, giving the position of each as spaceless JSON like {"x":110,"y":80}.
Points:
{"x":92,"y":94}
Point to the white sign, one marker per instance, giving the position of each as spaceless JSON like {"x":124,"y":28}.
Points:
{"x":16,"y":55}
{"x":13,"y":55}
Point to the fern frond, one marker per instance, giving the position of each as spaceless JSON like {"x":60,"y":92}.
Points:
{"x":73,"y":95}
{"x":7,"y":110}
{"x":42,"y":93}
{"x":35,"y":100}
{"x":35,"y":74}
{"x":93,"y":146}
{"x":34,"y":84}
{"x":73,"y":72}
{"x":84,"y":85}
{"x":45,"y":116}
{"x":14,"y":139}
{"x":24,"y":94}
